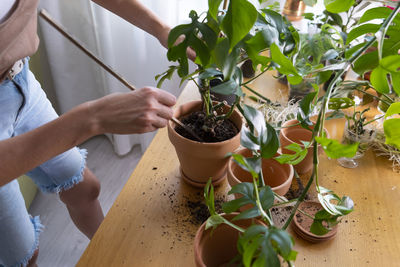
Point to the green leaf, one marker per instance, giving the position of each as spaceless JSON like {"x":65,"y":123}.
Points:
{"x":252,"y":165}
{"x":340,"y":103}
{"x":238,"y":21}
{"x":165,"y":75}
{"x":283,"y":241}
{"x":213,"y":221}
{"x":393,"y":109}
{"x":337,"y":6}
{"x":391,"y":128}
{"x":285,"y":65}
{"x":361,"y":30}
{"x":299,"y":154}
{"x":226,"y":88}
{"x":247,"y":214}
{"x":335,"y":150}
{"x":213,"y":6}
{"x":366,"y":62}
{"x":306,"y":108}
{"x":235,"y":204}
{"x":379,"y":80}
{"x":266,"y":196}
{"x":248,"y":140}
{"x":250,"y":249}
{"x":269,"y":142}
{"x":209,"y":196}
{"x":318,"y":229}
{"x":375,"y":13}
{"x":255,"y":118}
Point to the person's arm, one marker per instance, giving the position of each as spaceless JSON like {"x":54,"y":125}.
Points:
{"x":139,"y":15}
{"x":144,"y":110}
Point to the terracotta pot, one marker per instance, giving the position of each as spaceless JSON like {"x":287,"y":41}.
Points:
{"x":199,"y":161}
{"x":301,"y":224}
{"x":296,"y":134}
{"x":219,"y":247}
{"x":277,"y":176}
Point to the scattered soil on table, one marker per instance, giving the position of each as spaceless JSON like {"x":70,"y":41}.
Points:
{"x":280,"y":215}
{"x":186,"y":213}
{"x":225,"y":130}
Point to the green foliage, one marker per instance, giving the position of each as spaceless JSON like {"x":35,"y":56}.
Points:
{"x":260,"y":246}
{"x":337,"y":6}
{"x":238,"y":21}
{"x":334,"y":149}
{"x":299,"y":154}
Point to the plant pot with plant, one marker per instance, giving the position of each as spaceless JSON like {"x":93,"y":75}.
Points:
{"x":222,"y":41}
{"x":209,"y":158}
{"x":278,"y":176}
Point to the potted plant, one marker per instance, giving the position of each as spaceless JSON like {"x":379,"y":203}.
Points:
{"x":234,"y":34}
{"x":222,"y":40}
{"x":357,"y":129}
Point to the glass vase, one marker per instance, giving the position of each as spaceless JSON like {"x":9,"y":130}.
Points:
{"x":352,"y":135}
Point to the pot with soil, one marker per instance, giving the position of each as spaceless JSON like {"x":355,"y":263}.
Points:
{"x":218,"y":247}
{"x":292,"y":132}
{"x":278,"y":176}
{"x":302,"y":223}
{"x":201,"y":160}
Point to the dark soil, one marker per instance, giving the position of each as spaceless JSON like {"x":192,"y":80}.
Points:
{"x":196,"y":120}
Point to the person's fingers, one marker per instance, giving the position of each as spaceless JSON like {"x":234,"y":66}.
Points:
{"x":165,"y":112}
{"x":165,"y":98}
{"x":160,"y":122}
{"x":191,"y":54}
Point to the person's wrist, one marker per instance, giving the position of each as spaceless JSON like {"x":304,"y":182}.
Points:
{"x":91,"y":123}
{"x":162,"y":35}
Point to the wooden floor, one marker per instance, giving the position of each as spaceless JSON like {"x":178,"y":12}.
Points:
{"x":61,"y":244}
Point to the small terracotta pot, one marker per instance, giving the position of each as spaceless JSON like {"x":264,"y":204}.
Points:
{"x":217,"y":247}
{"x":199,"y":161}
{"x":296,"y":134}
{"x":301,"y":224}
{"x":278,"y":176}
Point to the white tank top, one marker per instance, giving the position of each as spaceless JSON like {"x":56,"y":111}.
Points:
{"x":5,"y":8}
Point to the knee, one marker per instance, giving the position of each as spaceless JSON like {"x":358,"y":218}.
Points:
{"x":85,"y":192}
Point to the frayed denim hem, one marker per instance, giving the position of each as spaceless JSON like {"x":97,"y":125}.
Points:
{"x":38,"y":227}
{"x":76,"y":179}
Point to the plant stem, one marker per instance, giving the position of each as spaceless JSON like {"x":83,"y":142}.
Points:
{"x":300,"y":199}
{"x":377,"y":118}
{"x":260,"y":208}
{"x":258,"y":94}
{"x":374,"y":96}
{"x":305,"y":213}
{"x":255,"y":77}
{"x":234,"y":226}
{"x":284,"y":203}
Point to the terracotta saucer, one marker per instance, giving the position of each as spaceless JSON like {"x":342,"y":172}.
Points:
{"x":301,"y":223}
{"x":200,"y":185}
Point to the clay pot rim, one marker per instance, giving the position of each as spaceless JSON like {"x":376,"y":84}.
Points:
{"x":306,"y":234}
{"x":201,"y":230}
{"x":294,"y":121}
{"x":287,"y":181}
{"x":172,"y":129}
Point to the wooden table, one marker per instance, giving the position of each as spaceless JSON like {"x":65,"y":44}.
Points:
{"x":150,"y":223}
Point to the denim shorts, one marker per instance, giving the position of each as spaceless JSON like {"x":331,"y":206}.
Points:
{"x":24,"y":107}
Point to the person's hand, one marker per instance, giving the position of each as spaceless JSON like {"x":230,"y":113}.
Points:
{"x":163,"y":39}
{"x":140,"y":111}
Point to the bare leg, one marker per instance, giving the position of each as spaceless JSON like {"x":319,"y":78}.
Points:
{"x":83,"y":205}
{"x":32,"y":261}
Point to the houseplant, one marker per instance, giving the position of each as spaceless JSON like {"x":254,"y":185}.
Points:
{"x":222,"y":40}
{"x":257,"y":244}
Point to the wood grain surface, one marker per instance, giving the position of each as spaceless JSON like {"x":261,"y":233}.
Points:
{"x":151,"y":224}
